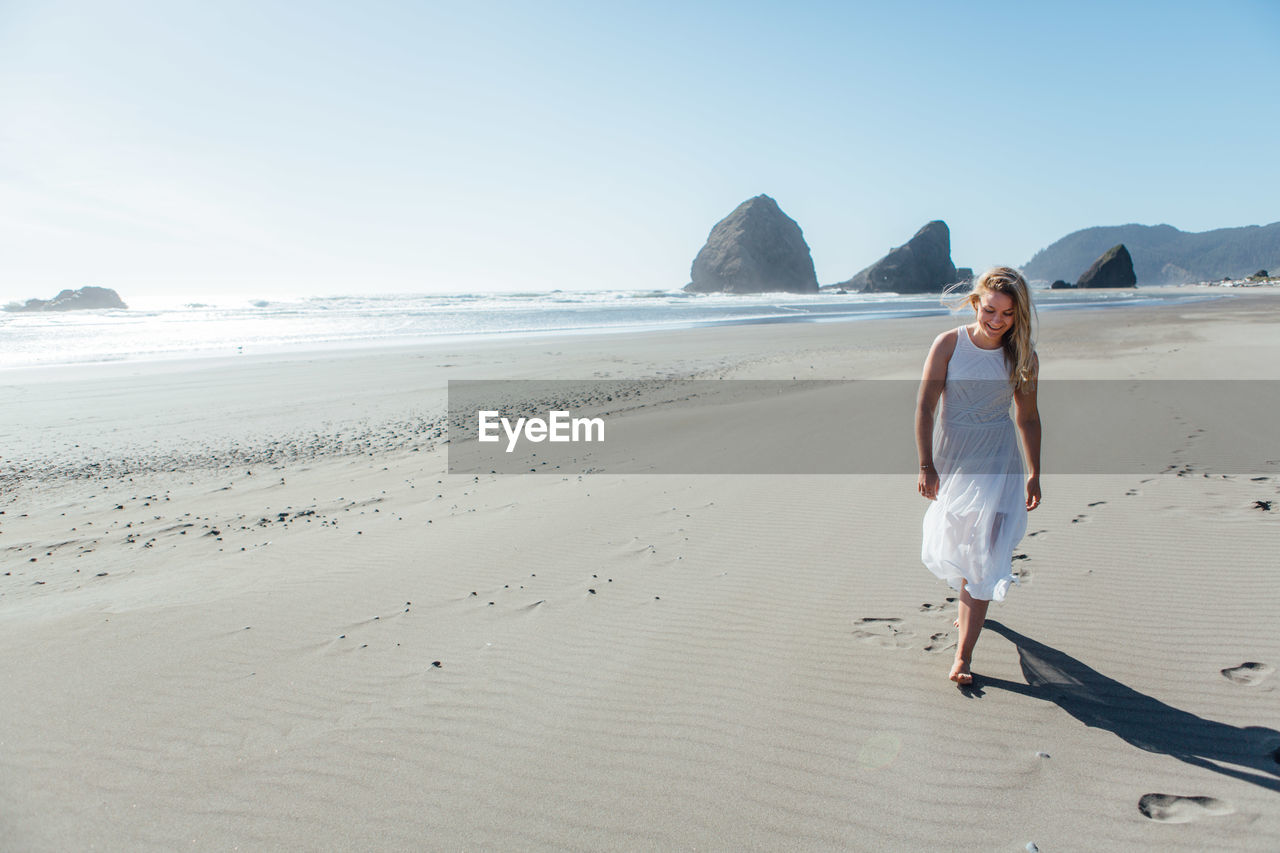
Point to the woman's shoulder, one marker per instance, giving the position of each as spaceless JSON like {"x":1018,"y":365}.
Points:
{"x":939,"y":359}
{"x":945,"y":343}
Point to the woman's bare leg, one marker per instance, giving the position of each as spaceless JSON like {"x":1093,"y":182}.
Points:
{"x":973,"y":612}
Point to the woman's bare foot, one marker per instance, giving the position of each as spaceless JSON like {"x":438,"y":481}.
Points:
{"x":960,"y":672}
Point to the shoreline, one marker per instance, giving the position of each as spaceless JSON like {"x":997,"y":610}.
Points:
{"x":1141,"y":297}
{"x":84,"y":421}
{"x":488,"y":340}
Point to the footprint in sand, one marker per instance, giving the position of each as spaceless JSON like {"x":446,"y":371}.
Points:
{"x":885,"y":633}
{"x":1021,"y":572}
{"x":1037,"y":533}
{"x":935,"y":609}
{"x":1250,"y":673}
{"x":940,"y":642}
{"x":1079,"y":518}
{"x":1097,"y":503}
{"x":1169,"y":808}
{"x":891,"y":640}
{"x":1132,"y":492}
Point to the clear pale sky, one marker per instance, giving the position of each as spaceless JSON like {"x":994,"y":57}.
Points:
{"x":181,"y":151}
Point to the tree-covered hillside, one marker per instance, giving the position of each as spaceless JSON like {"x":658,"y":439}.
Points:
{"x":1162,"y":254}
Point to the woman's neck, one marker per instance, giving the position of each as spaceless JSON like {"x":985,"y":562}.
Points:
{"x":981,"y":340}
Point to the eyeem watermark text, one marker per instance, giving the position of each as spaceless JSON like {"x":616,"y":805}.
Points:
{"x":557,"y":426}
{"x":1184,"y":428}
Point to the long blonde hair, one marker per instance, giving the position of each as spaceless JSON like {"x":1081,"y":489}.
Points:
{"x":1018,"y":343}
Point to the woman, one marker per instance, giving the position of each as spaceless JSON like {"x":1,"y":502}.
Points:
{"x":970,"y":467}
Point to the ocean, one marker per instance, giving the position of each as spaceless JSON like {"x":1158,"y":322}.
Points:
{"x":343,"y":322}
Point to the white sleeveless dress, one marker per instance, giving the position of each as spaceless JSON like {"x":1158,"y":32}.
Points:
{"x":980,"y":515}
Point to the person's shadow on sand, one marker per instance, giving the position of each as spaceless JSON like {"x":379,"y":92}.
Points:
{"x":1147,"y":723}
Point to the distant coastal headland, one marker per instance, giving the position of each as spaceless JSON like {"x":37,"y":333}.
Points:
{"x":86,"y":298}
{"x":758,"y":248}
{"x":1164,"y":255}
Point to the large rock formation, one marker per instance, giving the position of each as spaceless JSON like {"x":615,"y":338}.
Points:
{"x":74,"y":300}
{"x":755,"y":249}
{"x":1113,"y":269}
{"x":923,"y":265}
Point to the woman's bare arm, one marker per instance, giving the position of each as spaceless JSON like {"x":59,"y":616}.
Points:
{"x":931,"y":385}
{"x":1027,"y":416}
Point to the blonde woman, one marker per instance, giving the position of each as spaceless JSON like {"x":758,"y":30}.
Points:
{"x":969,"y":464}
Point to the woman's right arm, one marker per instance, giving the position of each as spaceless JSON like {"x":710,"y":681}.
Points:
{"x":931,"y":385}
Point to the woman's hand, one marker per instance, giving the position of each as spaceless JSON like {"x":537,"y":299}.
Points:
{"x":927,"y":485}
{"x":1033,"y":492}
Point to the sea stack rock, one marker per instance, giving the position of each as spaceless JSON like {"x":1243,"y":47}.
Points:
{"x":85,"y":298}
{"x":755,"y":249}
{"x":1113,"y":269}
{"x":1060,"y":285}
{"x":922,"y":265}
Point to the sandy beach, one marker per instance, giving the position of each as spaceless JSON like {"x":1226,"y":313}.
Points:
{"x":243,"y":606}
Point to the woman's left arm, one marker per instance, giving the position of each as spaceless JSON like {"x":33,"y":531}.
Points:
{"x":1027,"y":415}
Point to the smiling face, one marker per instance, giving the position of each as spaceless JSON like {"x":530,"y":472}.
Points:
{"x":995,"y":315}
